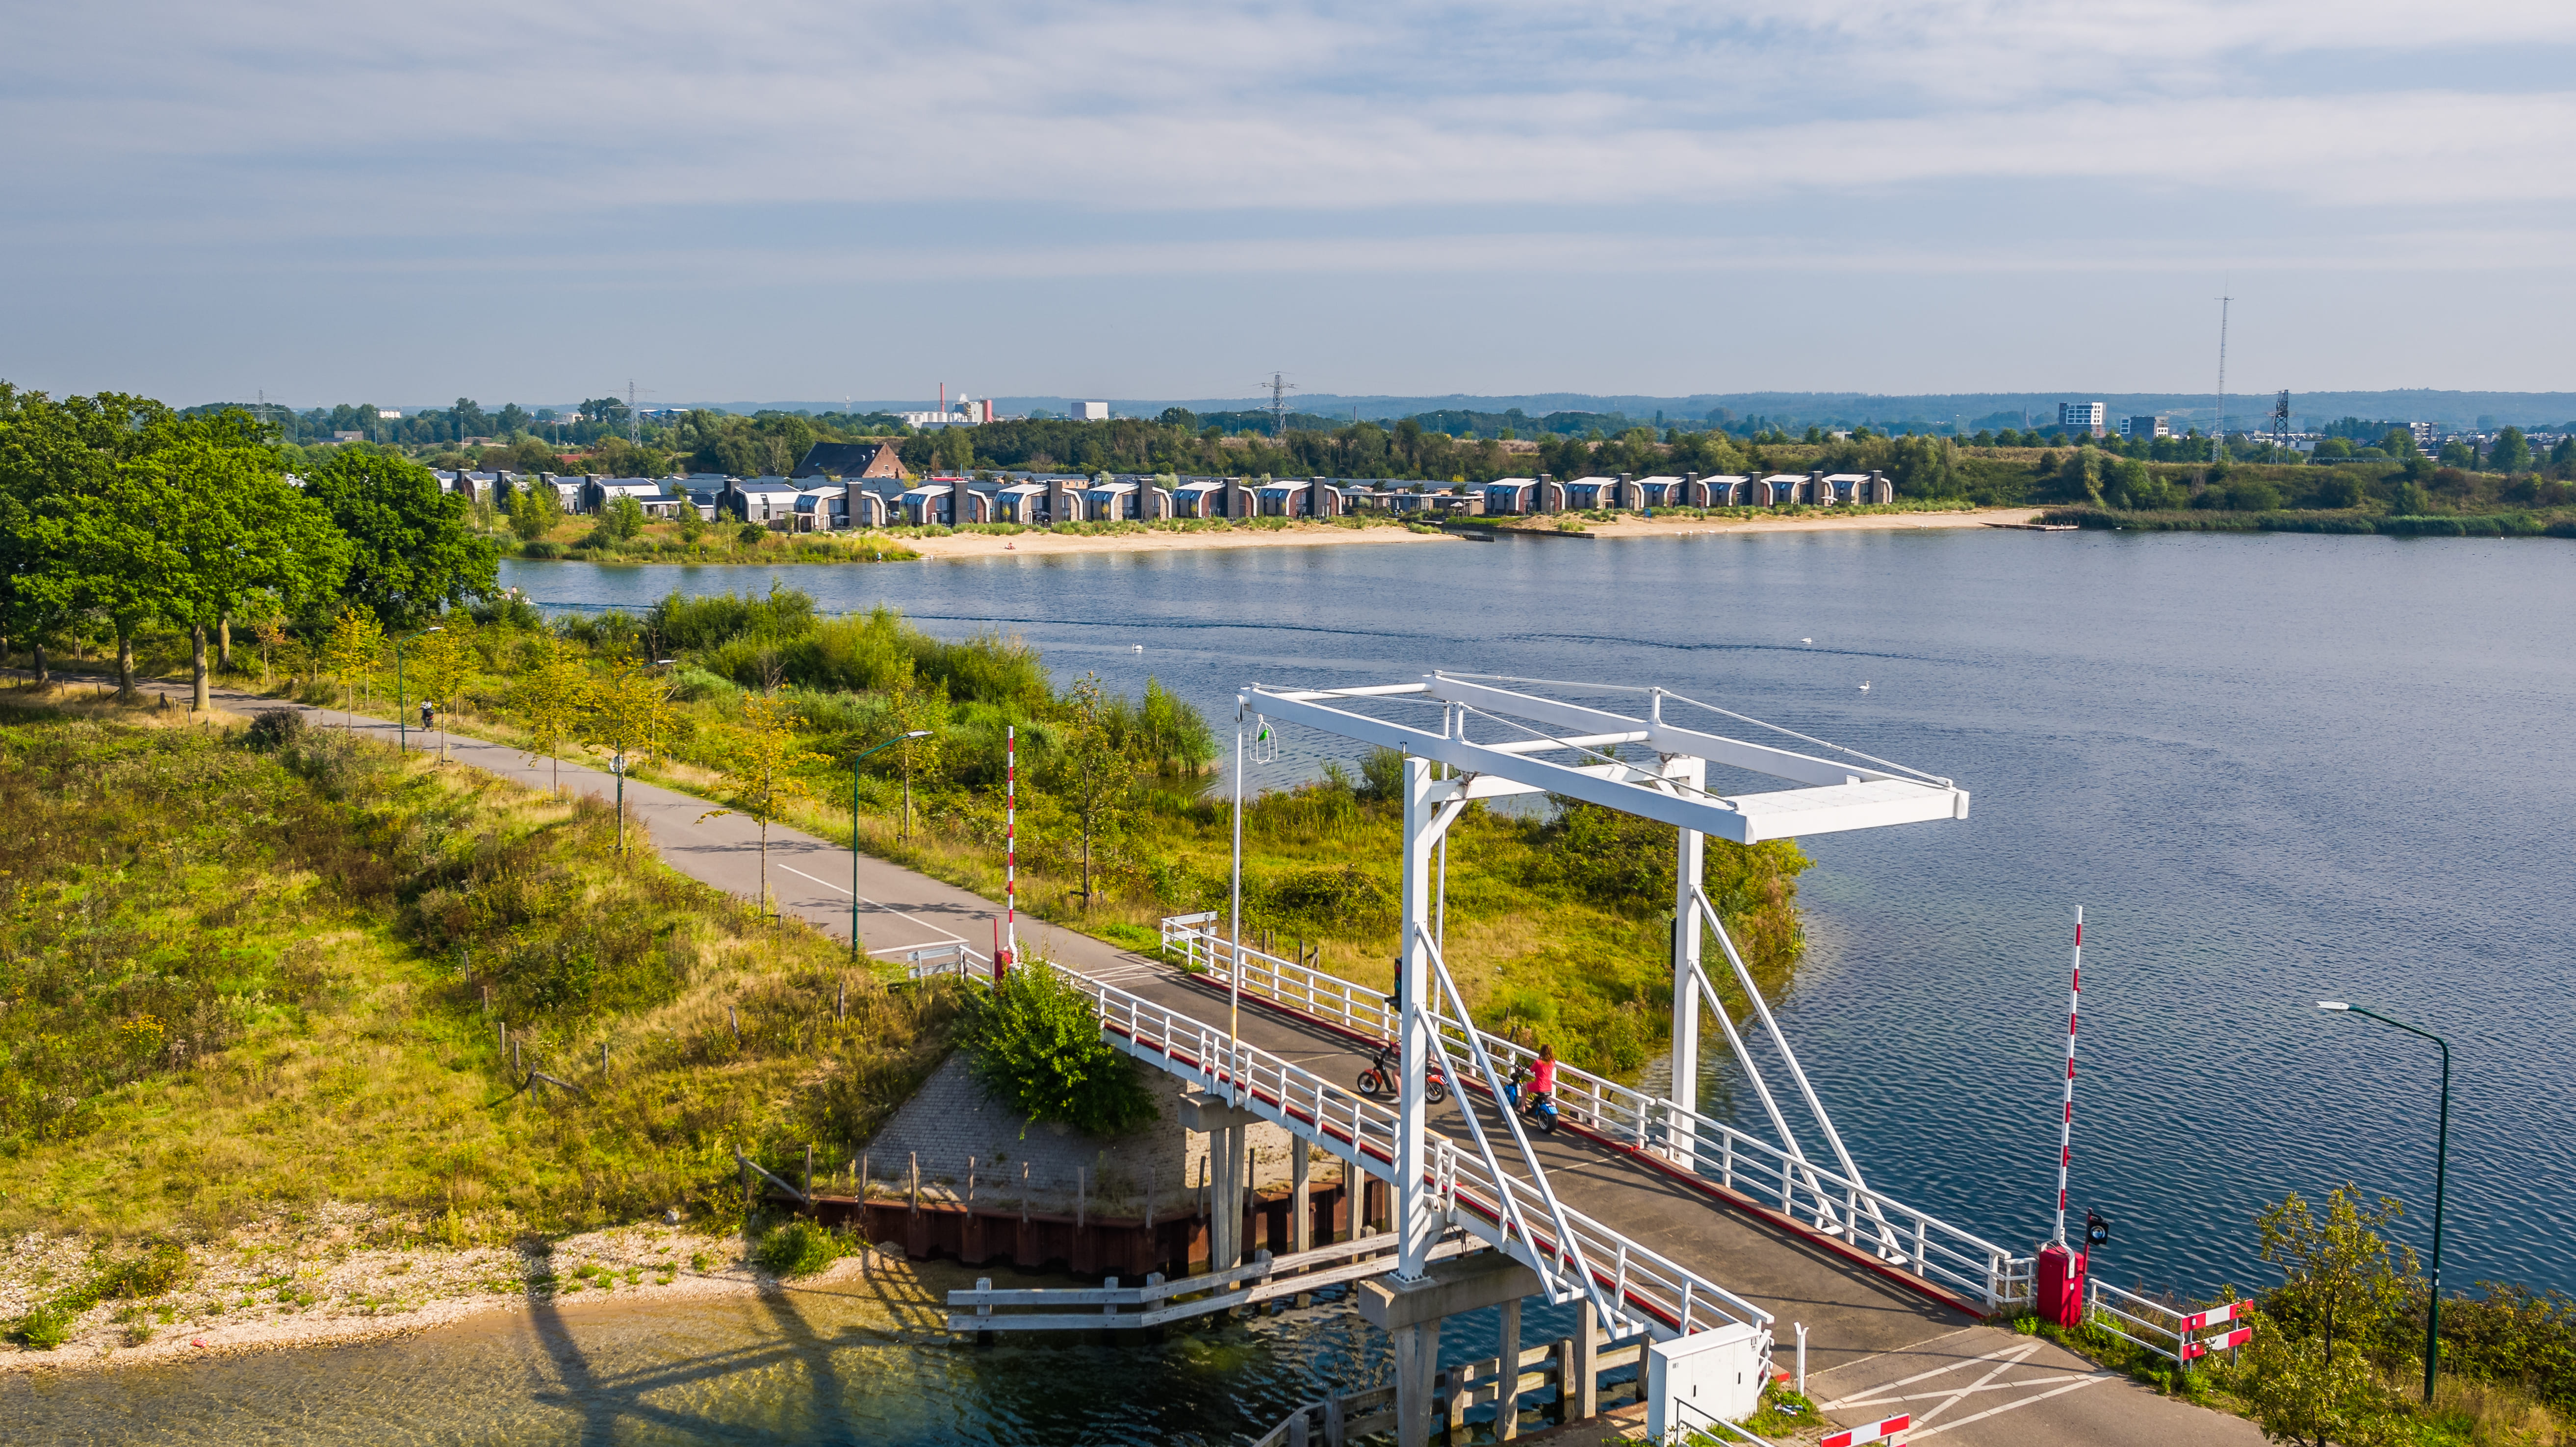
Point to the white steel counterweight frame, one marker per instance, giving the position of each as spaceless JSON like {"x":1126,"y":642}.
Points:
{"x":1835,"y":796}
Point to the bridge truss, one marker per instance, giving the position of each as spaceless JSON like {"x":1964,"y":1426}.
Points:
{"x":1492,"y":741}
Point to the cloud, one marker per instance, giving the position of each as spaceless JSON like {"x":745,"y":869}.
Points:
{"x":541,"y":150}
{"x":1168,"y":108}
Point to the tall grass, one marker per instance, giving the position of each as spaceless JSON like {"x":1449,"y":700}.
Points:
{"x":240,"y":978}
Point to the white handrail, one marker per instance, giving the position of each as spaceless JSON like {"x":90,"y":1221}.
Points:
{"x":1802,"y":1188}
{"x":1654,"y":1293}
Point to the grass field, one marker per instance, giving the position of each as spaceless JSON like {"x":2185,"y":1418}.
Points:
{"x":233,"y":976}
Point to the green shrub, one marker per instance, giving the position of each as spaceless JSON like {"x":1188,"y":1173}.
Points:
{"x":45,"y":1328}
{"x":1034,"y":1042}
{"x":541,"y":550}
{"x":274,"y":728}
{"x":797,"y":1248}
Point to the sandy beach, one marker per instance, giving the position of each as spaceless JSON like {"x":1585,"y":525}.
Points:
{"x":1295,"y":535}
{"x":1631,"y":526}
{"x":1315,"y":534}
{"x":331,"y":1275}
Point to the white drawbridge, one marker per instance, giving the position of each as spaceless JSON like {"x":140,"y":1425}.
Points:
{"x":1489,"y":741}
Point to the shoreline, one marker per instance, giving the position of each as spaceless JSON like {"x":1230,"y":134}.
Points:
{"x":1038,"y":542}
{"x":343,"y":1275}
{"x":1633,"y":526}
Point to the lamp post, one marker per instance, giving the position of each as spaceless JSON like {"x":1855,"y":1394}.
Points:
{"x":2441,"y":1163}
{"x":402,"y":735}
{"x":854,"y":830}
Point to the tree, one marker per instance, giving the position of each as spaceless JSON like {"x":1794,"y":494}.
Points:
{"x":1094,"y":765}
{"x":623,"y":519}
{"x":230,"y":533}
{"x":412,"y":547}
{"x":534,"y":510}
{"x":628,"y":709}
{"x":56,"y":461}
{"x":350,"y":654}
{"x":2400,"y":442}
{"x":2562,"y":458}
{"x":442,"y":662}
{"x":2511,"y":452}
{"x":761,"y":756}
{"x":955,"y":449}
{"x":692,"y":526}
{"x":2310,"y":1376}
{"x":551,"y":695}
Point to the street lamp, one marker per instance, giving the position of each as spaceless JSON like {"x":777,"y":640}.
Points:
{"x":2441,"y":1162}
{"x":854,"y":830}
{"x":402,"y":735}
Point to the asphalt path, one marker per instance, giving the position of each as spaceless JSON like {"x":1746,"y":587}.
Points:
{"x":1875,"y":1346}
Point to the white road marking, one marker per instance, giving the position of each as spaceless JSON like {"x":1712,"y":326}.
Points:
{"x":2015,"y":1352}
{"x":2005,"y":1362}
{"x":1889,"y":1394}
{"x":882,"y":908}
{"x":2009,"y":1406}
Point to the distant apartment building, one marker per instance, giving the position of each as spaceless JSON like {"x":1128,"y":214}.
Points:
{"x":2147,"y":428}
{"x":2083,"y":417}
{"x":1090,"y":411}
{"x":388,"y":414}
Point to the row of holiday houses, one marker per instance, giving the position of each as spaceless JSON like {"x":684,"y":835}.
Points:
{"x":876,"y":493}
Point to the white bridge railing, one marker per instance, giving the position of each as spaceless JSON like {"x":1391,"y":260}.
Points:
{"x":1652,"y":1293}
{"x":1802,"y":1189}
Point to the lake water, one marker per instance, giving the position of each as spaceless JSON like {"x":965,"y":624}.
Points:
{"x":2275,"y":769}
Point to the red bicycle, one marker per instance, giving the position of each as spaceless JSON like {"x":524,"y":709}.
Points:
{"x":1378,"y":1077}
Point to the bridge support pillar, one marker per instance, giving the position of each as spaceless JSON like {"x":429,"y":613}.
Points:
{"x":1692,"y":774}
{"x":1224,"y":1126}
{"x":1410,"y":1311}
{"x":1301,"y":1210}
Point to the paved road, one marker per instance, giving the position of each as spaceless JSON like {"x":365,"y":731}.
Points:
{"x":1875,"y":1347}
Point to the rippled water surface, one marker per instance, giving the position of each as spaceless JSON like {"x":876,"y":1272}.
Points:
{"x":2275,"y":769}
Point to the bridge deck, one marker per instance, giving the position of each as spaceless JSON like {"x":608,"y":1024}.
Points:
{"x":1863,"y":1328}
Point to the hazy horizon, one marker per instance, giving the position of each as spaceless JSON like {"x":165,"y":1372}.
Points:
{"x":1133,"y":199}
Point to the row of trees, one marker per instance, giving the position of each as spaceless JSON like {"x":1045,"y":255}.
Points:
{"x":118,"y":513}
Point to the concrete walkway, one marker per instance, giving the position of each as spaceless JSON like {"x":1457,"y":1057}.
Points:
{"x":1875,"y":1347}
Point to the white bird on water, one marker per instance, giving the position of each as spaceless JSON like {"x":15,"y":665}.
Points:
{"x":1139,"y":648}
{"x":1806,"y":640}
{"x":1864,"y":685}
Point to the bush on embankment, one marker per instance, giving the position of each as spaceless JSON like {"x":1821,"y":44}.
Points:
{"x":2484,"y":525}
{"x":1033,"y":1041}
{"x":237,"y":979}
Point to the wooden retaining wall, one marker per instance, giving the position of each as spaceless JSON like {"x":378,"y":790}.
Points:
{"x":1085,"y":1245}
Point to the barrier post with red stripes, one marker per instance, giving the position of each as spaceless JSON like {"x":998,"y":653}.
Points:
{"x":1884,"y":1431}
{"x":2066,"y":1123}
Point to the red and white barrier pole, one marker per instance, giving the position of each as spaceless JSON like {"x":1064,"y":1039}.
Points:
{"x":1874,"y":1432}
{"x":2066,"y":1126}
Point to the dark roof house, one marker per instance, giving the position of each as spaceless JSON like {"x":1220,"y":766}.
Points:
{"x":851,"y":459}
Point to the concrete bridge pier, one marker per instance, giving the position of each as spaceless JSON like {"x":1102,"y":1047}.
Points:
{"x":1410,"y":1312}
{"x":1229,"y":1162}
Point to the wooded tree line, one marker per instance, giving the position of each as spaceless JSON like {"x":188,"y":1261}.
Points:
{"x":118,"y":513}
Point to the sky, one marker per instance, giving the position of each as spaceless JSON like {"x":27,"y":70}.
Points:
{"x":540,"y":201}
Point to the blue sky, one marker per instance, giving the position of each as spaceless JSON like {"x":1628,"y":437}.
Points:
{"x":538,"y":201}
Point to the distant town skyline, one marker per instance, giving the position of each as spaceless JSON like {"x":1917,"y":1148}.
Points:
{"x":1140,"y":200}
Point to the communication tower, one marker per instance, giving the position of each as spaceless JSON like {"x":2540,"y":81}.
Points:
{"x":2218,"y":438}
{"x":2281,"y":422}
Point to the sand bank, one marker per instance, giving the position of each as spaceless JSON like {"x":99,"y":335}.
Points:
{"x":1314,"y":534}
{"x":328,"y":1276}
